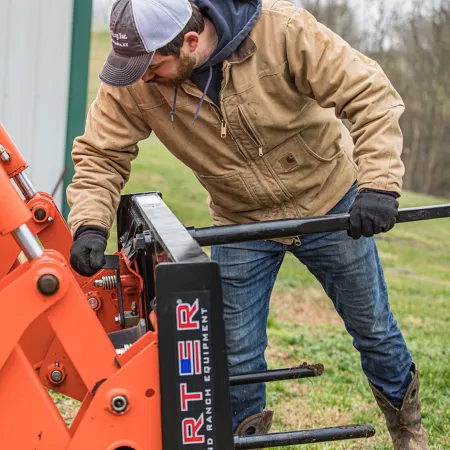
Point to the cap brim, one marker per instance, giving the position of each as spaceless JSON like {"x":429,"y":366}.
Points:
{"x":121,"y":71}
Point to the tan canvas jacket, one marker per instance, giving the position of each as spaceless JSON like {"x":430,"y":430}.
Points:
{"x":274,"y":149}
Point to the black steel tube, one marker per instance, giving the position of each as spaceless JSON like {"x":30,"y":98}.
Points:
{"x":293,"y":373}
{"x":304,"y":437}
{"x":230,"y":234}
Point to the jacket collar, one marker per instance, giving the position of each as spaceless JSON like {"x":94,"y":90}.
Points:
{"x":244,"y":51}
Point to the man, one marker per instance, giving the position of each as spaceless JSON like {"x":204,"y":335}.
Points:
{"x":249,"y":94}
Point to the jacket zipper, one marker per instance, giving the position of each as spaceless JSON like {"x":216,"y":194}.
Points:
{"x":247,"y":127}
{"x":223,"y":124}
{"x":223,"y":131}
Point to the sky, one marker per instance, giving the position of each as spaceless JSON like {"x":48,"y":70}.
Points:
{"x":101,"y":8}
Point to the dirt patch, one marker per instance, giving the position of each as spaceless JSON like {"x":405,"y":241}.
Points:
{"x":413,"y":321}
{"x":304,"y":306}
{"x":387,"y":256}
{"x":278,"y":354}
{"x":67,"y":407}
{"x":403,"y":241}
{"x":432,"y":281}
{"x":416,"y":277}
{"x":296,"y":414}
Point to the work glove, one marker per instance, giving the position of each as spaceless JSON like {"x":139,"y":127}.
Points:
{"x":373,"y":212}
{"x":87,"y":255}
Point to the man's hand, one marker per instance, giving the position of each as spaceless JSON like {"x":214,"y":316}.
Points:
{"x":373,"y":212}
{"x":87,"y":255}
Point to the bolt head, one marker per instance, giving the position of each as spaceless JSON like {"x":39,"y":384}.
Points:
{"x":48,"y":284}
{"x":40,"y":214}
{"x":56,"y":376}
{"x":93,"y":302}
{"x":291,"y":158}
{"x":119,"y":404}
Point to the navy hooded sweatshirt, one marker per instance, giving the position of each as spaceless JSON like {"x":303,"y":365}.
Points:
{"x":233,"y":20}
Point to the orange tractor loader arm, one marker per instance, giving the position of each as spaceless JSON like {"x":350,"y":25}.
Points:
{"x":119,"y":390}
{"x":141,"y":343}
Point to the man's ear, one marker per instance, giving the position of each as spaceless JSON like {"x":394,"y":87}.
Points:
{"x":191,"y":40}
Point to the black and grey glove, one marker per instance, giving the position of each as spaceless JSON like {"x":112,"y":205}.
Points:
{"x":373,"y":212}
{"x":87,"y":255}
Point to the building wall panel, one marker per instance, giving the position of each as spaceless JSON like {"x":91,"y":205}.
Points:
{"x":34,"y":82}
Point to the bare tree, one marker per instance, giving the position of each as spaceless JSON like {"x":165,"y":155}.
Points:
{"x":412,"y":44}
{"x":426,"y":80}
{"x":336,"y":15}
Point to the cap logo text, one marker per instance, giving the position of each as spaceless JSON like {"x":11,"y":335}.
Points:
{"x":116,"y":37}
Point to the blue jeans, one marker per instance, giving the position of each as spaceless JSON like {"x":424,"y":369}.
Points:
{"x":351,"y":274}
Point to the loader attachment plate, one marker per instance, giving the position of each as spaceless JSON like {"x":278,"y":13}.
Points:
{"x":195,"y":403}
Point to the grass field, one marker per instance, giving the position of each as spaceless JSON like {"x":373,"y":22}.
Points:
{"x":303,"y":325}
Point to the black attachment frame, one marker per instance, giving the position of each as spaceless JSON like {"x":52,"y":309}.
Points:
{"x":305,"y":437}
{"x":231,"y":234}
{"x":194,"y":382}
{"x":294,"y":373}
{"x":195,"y":398}
{"x":184,"y":287}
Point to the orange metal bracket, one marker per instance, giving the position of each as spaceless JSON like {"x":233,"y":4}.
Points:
{"x":133,"y":380}
{"x":55,"y":330}
{"x":16,"y":163}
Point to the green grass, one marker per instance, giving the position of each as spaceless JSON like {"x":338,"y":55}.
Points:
{"x":416,"y":258}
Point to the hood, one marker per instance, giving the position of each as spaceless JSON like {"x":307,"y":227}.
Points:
{"x":233,"y":20}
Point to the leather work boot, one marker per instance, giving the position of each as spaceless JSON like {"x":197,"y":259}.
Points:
{"x":256,"y":424}
{"x":404,"y":425}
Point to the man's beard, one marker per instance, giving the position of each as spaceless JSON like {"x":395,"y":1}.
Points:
{"x":186,"y":67}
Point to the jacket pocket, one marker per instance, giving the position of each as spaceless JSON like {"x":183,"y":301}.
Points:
{"x":300,"y":171}
{"x":329,"y":153}
{"x":249,"y":129}
{"x":231,"y":192}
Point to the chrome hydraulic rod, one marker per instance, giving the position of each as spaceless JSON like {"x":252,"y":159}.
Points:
{"x":230,"y":234}
{"x":25,"y":185}
{"x":28,"y":242}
